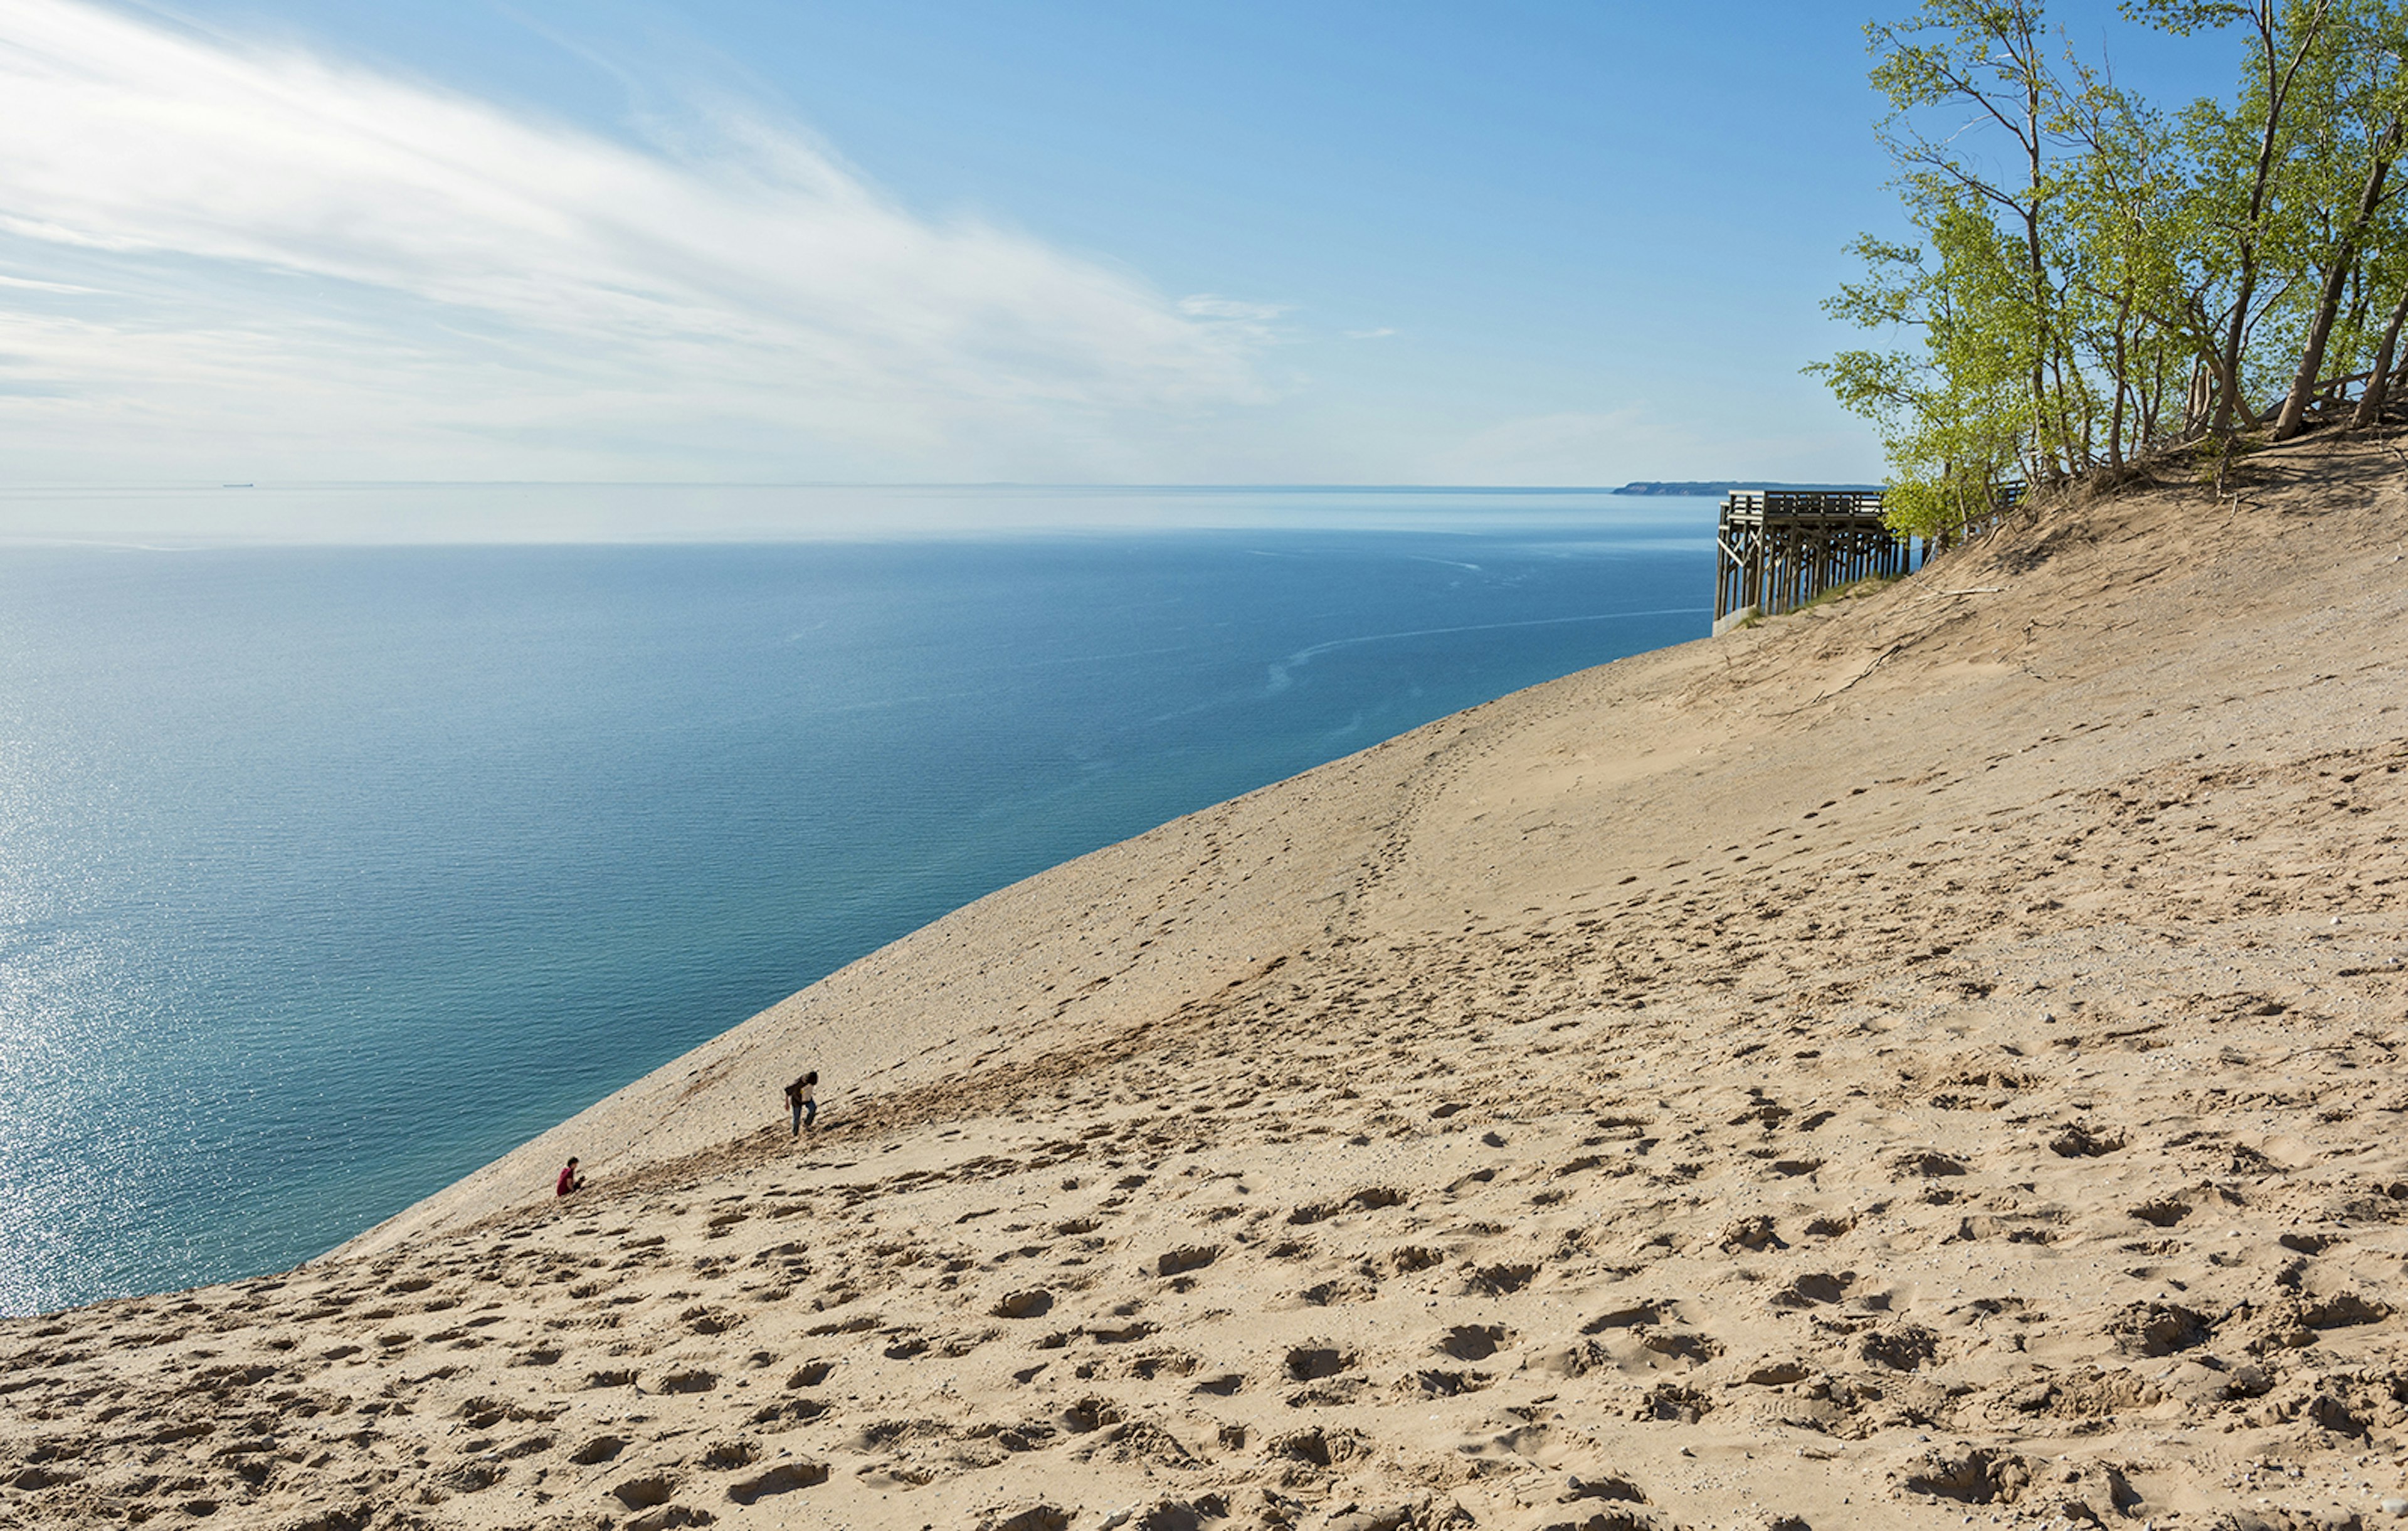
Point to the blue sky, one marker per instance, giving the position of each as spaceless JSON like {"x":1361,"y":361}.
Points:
{"x":903,"y":242}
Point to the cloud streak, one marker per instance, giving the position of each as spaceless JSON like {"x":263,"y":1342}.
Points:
{"x":220,"y":255}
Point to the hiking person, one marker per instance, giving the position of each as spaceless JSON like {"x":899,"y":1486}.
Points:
{"x":802,"y":1095}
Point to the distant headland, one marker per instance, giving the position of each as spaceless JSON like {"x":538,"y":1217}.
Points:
{"x":1716,"y":486}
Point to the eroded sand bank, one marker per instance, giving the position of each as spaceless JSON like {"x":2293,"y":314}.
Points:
{"x":1932,"y":1057}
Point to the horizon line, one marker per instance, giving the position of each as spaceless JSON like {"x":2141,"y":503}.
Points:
{"x":274,"y":485}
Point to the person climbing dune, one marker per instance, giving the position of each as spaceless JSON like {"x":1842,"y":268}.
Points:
{"x":802,"y":1095}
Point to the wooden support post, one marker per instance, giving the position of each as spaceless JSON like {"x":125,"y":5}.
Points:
{"x":1776,"y":549}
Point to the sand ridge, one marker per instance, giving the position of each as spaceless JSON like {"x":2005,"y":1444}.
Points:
{"x":1933,"y":1058}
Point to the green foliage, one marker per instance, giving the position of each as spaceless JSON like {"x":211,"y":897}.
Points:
{"x":2089,"y":277}
{"x":1950,"y":415}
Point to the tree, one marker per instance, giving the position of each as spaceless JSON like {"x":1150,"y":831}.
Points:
{"x":2353,"y":130}
{"x":1985,"y":58}
{"x":1953,"y":411}
{"x":2122,"y":191}
{"x":2090,"y":277}
{"x":2242,"y":152}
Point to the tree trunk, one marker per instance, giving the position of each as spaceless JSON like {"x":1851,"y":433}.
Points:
{"x":2311,"y":361}
{"x":2369,"y":404}
{"x":2024,"y":49}
{"x":2278,"y":89}
{"x":2152,"y":400}
{"x":2229,"y":401}
{"x":2228,"y":360}
{"x":2115,"y":420}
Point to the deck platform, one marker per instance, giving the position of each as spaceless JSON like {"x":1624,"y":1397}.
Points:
{"x":1778,"y":549}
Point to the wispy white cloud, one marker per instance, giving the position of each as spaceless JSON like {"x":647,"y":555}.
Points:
{"x":217,"y":255}
{"x":31,"y":286}
{"x":1213,"y":306}
{"x":1380,"y":334}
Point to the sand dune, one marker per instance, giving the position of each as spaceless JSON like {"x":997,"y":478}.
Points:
{"x":1931,"y":1059}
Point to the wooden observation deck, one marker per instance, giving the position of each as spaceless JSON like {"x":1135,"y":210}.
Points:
{"x":1778,"y":549}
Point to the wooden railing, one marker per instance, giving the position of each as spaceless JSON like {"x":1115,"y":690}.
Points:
{"x":1778,"y":549}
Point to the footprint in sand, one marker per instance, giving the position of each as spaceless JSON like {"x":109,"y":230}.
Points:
{"x":1443,"y":1383}
{"x":1815,"y":1289}
{"x":599,"y":1450}
{"x":2163,"y":1212}
{"x":1497,"y":1281}
{"x":1407,"y":1258}
{"x":1088,"y":1415}
{"x":1629,"y":1317}
{"x":783,"y":1478}
{"x":728,"y":1456}
{"x":1685,"y":1345}
{"x":1145,"y":1368}
{"x":1474,"y":1342}
{"x":645,"y":1493}
{"x":1033,"y":1303}
{"x":1343,"y":1290}
{"x":1927,"y":1164}
{"x":1191,"y":1257}
{"x":2081,"y":1142}
{"x":1317,"y":1447}
{"x":1311,"y":1363}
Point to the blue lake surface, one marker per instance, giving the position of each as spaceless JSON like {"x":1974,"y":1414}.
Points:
{"x":329,"y":873}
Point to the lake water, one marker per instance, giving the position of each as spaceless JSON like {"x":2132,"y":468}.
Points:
{"x":328,"y":874}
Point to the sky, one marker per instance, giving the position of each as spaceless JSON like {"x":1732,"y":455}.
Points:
{"x":896,"y":241}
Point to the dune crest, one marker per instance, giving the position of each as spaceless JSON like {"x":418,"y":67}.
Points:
{"x":1931,"y":1058}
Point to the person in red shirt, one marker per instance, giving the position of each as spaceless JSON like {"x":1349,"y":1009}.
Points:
{"x":569,"y":1179}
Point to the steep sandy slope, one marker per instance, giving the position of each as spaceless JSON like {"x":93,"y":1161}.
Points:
{"x":1931,"y":1058}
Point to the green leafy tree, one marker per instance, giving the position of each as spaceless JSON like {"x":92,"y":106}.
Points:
{"x":1984,"y":59}
{"x":2350,"y":103}
{"x":2126,"y":288}
{"x":2091,"y":277}
{"x":1953,"y":409}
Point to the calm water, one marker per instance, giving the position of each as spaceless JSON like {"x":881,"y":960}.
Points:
{"x":327,"y":875}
